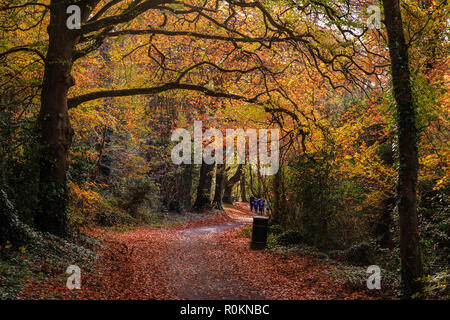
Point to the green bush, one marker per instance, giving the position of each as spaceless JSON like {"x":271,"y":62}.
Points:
{"x":134,"y":193}
{"x":246,"y":231}
{"x":275,"y":229}
{"x":318,"y":203}
{"x":19,"y":171}
{"x":114,"y":218}
{"x":362,"y":253}
{"x":289,"y":238}
{"x":434,"y":214}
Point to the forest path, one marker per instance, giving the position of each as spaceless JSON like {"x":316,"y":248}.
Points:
{"x":199,"y":265}
{"x":205,"y":258}
{"x":211,"y":259}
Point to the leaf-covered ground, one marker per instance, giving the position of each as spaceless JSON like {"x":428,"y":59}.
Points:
{"x":202,"y":259}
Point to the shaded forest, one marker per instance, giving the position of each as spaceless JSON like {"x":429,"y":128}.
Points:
{"x":87,"y":114}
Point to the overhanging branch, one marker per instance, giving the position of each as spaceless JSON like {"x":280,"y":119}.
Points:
{"x":75,"y":101}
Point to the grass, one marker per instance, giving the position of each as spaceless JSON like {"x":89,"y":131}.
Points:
{"x":245,"y":231}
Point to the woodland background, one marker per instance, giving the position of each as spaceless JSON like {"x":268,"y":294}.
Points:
{"x":227,"y":63}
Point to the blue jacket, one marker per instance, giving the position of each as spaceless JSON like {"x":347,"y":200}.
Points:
{"x":261,"y":203}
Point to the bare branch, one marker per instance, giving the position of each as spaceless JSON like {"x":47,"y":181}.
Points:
{"x":22,"y":49}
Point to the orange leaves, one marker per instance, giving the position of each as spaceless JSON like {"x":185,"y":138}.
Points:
{"x":201,"y":259}
{"x":85,"y":202}
{"x":86,"y":196}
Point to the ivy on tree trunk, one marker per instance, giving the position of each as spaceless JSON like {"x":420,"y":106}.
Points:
{"x":411,"y":260}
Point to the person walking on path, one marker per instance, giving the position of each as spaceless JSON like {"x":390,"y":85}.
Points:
{"x":252,"y":199}
{"x":261,"y":206}
{"x":255,"y":205}
{"x":268,"y":207}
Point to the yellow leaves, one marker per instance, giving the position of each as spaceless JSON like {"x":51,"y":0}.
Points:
{"x":83,"y":197}
{"x":8,"y":245}
{"x":430,"y":160}
{"x":444,"y":182}
{"x":436,"y":167}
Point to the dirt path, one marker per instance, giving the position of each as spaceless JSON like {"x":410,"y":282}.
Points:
{"x":203,"y":259}
{"x":215,"y":262}
{"x":192,"y":273}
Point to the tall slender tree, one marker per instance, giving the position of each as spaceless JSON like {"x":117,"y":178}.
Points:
{"x":243,"y":188}
{"x":411,"y":260}
{"x":220,"y":182}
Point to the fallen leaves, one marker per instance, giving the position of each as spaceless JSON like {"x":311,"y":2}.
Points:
{"x":201,"y":259}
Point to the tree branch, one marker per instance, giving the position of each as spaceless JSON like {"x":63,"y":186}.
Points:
{"x":25,"y":49}
{"x":75,"y":101}
{"x":128,"y":14}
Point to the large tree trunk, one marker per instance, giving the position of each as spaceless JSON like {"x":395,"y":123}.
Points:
{"x":411,"y":261}
{"x":203,"y":200}
{"x":220,"y":182}
{"x":229,"y":184}
{"x":227,"y":197}
{"x":56,"y":131}
{"x":184,"y":186}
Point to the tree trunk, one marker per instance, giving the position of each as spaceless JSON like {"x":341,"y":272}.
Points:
{"x":227,"y":198}
{"x":277,"y":203}
{"x":220,"y":182}
{"x":203,"y":200}
{"x":243,"y":190}
{"x":258,"y":177}
{"x":411,"y":261}
{"x":384,"y":223}
{"x":100,"y":155}
{"x":251,"y":178}
{"x":56,"y":131}
{"x":184,"y":186}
